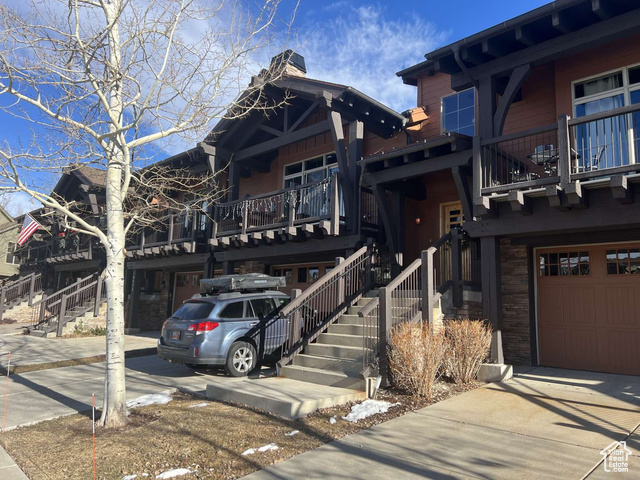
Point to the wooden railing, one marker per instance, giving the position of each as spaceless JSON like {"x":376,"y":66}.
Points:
{"x":56,"y":306}
{"x":34,"y":255}
{"x":584,"y":148}
{"x":72,"y":244}
{"x":80,"y":301}
{"x":20,"y":290}
{"x":412,"y":295}
{"x":304,"y":204}
{"x":311,"y":312}
{"x":175,"y":228}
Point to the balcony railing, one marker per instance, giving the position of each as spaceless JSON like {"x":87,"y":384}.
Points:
{"x":73,"y":244}
{"x":174,"y":229}
{"x":305,"y":204}
{"x":584,"y":148}
{"x":33,"y":255}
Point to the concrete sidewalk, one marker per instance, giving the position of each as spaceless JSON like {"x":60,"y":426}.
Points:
{"x":546,"y":423}
{"x":28,"y":350}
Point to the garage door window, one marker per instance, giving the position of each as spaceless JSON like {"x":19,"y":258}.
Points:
{"x":623,"y":261}
{"x":564,"y":264}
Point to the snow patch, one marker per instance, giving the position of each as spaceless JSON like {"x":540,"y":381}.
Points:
{"x":198,"y":405}
{"x":332,"y":420}
{"x":176,"y":472}
{"x":367,"y":409}
{"x":151,"y":399}
{"x":291,"y":434}
{"x":129,"y":477}
{"x":265,"y":448}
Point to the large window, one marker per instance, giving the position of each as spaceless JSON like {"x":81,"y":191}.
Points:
{"x":309,"y":171}
{"x":459,"y":113}
{"x":611,"y":142}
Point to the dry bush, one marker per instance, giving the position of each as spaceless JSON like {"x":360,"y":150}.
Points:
{"x":468,"y":345}
{"x":415,"y":358}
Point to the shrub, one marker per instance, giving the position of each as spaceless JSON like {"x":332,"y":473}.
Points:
{"x":468,"y":345}
{"x":415,"y":357}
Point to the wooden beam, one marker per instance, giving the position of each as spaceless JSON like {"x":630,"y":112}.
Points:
{"x":417,"y":169}
{"x":347,"y":184}
{"x":473,"y":57}
{"x":554,"y":196}
{"x":380,"y":194}
{"x":270,"y":130}
{"x":461,"y":177}
{"x":485,"y":207}
{"x":303,"y":117}
{"x":524,"y":36}
{"x":601,"y":9}
{"x":517,"y":78}
{"x":562,"y":22}
{"x":576,"y":196}
{"x":493,"y":47}
{"x":276,"y":143}
{"x":519,"y":202}
{"x":620,"y":189}
{"x":94,"y":204}
{"x":614,"y":28}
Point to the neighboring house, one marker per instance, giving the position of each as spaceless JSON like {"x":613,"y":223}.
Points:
{"x":9,"y":229}
{"x":552,"y":101}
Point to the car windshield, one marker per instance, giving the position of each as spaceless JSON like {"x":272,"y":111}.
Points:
{"x":193,"y":311}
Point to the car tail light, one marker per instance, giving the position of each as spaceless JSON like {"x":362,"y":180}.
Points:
{"x":196,"y":351}
{"x":202,"y":327}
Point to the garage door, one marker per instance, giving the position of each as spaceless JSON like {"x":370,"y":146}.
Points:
{"x":589,"y":308}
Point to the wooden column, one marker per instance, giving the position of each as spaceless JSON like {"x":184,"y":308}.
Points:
{"x":397,"y":224}
{"x":356,"y":152}
{"x":564,"y":151}
{"x":134,"y":300}
{"x":346,"y":182}
{"x":491,"y":292}
{"x":384,"y":330}
{"x":227,"y":267}
{"x":456,"y":266}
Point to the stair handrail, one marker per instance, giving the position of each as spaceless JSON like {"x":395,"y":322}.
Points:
{"x":386,"y":310}
{"x":23,"y":288}
{"x":50,"y":302}
{"x":311,"y":312}
{"x":89,"y":301}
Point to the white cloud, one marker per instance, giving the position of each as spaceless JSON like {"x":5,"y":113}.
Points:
{"x":362,"y":48}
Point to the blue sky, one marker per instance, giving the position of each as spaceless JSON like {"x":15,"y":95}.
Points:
{"x":363,"y":43}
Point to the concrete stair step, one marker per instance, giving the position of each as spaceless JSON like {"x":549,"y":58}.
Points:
{"x":328,"y":363}
{"x":352,"y":329}
{"x":340,"y":339}
{"x":323,"y":377}
{"x":338,"y":351}
{"x":348,"y":319}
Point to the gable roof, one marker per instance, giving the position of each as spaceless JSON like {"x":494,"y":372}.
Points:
{"x":531,"y":28}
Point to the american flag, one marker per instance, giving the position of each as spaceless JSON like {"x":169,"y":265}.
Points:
{"x":28,"y":227}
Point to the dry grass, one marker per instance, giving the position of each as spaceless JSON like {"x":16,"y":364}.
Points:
{"x":415,"y":357}
{"x":209,"y":439}
{"x":468,"y":345}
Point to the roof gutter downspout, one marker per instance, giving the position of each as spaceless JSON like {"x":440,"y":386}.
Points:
{"x":463,"y":67}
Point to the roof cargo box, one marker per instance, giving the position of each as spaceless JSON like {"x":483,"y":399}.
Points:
{"x":244,"y":282}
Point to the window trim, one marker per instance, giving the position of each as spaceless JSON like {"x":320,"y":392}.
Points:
{"x":475,"y":110}
{"x":14,"y":257}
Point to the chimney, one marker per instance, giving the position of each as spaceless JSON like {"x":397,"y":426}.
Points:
{"x":293,"y":64}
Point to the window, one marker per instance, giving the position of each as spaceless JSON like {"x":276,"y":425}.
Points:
{"x":11,"y":249}
{"x":309,"y":171}
{"x":193,"y":311}
{"x":459,"y":113}
{"x":452,"y":217}
{"x":233,"y":310}
{"x":151,"y":281}
{"x":302,"y":275}
{"x":564,"y":264}
{"x":314,"y":274}
{"x":613,"y":141}
{"x":623,"y":261}
{"x":262,"y":307}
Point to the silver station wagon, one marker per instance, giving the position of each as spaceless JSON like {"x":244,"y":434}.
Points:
{"x":224,"y":329}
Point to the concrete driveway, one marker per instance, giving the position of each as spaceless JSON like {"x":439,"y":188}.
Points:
{"x":545,"y":423}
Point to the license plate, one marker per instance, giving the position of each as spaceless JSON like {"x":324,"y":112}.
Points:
{"x":175,"y":335}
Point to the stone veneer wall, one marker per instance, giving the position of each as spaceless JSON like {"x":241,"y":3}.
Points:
{"x":152,"y":309}
{"x":515,"y":303}
{"x":251,"y":266}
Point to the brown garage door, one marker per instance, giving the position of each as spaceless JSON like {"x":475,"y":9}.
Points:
{"x":589,"y":308}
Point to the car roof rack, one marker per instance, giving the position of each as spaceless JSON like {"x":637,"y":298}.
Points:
{"x":248,"y":282}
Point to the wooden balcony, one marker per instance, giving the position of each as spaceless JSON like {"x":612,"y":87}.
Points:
{"x":72,"y":248}
{"x":309,"y":210}
{"x":561,"y":161}
{"x":176,"y":234}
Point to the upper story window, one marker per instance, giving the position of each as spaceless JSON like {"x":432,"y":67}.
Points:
{"x":11,"y":257}
{"x":311,"y":170}
{"x":459,"y":113}
{"x":613,"y":141}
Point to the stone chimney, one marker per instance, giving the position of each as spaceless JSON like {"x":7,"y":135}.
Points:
{"x":292,"y":63}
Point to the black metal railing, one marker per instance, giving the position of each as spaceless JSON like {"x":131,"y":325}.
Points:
{"x":308,"y":203}
{"x":171,"y":229}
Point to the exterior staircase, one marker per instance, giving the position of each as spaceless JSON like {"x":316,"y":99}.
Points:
{"x":53,"y":314}
{"x":335,"y":359}
{"x":15,"y":294}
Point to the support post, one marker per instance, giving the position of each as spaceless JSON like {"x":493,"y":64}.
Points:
{"x":170,"y":235}
{"x":335,"y":205}
{"x":491,"y":292}
{"x":96,"y":308}
{"x":292,"y":208}
{"x":245,"y":216}
{"x":427,"y":287}
{"x":564,"y":151}
{"x":3,"y":294}
{"x":340,"y":284}
{"x":227,"y":267}
{"x":295,"y":331}
{"x":456,"y":266}
{"x":134,"y":300}
{"x":384,"y":331}
{"x":32,"y":288}
{"x":61,"y":315}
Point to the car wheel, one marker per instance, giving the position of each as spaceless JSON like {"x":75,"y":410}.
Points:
{"x":241,"y":359}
